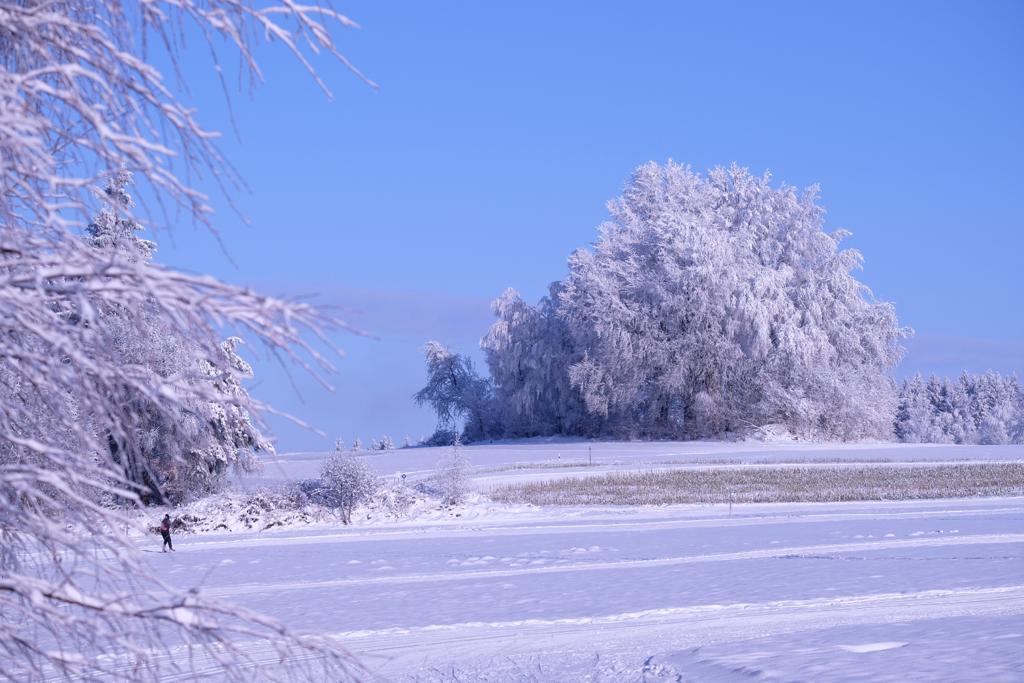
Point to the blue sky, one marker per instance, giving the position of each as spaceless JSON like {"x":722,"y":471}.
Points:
{"x":500,"y":130}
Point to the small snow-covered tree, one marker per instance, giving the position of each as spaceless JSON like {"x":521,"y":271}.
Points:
{"x":995,"y":406}
{"x":232,"y":439}
{"x":114,"y":229}
{"x":453,"y":475}
{"x":357,"y":445}
{"x":913,"y":412}
{"x":347,"y":482}
{"x":457,"y":393}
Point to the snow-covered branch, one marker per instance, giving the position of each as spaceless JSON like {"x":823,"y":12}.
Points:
{"x":115,"y":382}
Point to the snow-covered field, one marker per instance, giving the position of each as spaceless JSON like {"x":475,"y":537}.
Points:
{"x":825,"y":591}
{"x":538,"y":459}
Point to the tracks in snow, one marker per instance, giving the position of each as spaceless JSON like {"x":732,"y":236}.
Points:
{"x":800,"y":515}
{"x":675,"y":629}
{"x":393,"y":651}
{"x":765,"y":553}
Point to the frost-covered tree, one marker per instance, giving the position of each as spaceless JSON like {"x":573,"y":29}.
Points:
{"x":346,"y":482}
{"x":710,"y":305}
{"x":78,"y":99}
{"x":357,"y":445}
{"x":453,"y":475}
{"x":529,"y":350}
{"x":114,"y":229}
{"x":913,"y":412}
{"x":996,"y":406}
{"x":458,"y":394}
{"x":231,"y":440}
{"x":190,"y":453}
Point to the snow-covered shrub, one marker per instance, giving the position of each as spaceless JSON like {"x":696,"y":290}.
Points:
{"x":393,"y":499}
{"x":383,"y":444}
{"x":357,"y":445}
{"x":453,"y":476}
{"x":766,"y":433}
{"x":346,"y":482}
{"x":260,"y":509}
{"x":315,"y":491}
{"x":441,"y":437}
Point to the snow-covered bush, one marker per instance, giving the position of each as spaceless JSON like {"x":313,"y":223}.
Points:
{"x":453,"y":476}
{"x":307,"y":502}
{"x":383,"y":444}
{"x":357,"y":445}
{"x":260,"y":509}
{"x":316,"y":492}
{"x":346,"y":482}
{"x":441,"y":437}
{"x":393,"y":499}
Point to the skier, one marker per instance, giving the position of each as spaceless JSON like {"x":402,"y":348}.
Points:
{"x":165,"y":531}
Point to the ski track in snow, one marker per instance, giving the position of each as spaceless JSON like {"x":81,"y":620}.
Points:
{"x":358,"y":534}
{"x":393,"y":650}
{"x":794,"y":551}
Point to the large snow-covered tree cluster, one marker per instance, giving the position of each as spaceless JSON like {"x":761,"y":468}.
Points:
{"x":708,"y":304}
{"x":117,"y":387}
{"x":972,"y":409}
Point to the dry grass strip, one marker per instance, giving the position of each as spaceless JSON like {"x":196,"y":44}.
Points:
{"x":766,"y":484}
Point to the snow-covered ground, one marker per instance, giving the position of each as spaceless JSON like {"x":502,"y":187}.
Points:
{"x":839,"y":591}
{"x":533,"y":459}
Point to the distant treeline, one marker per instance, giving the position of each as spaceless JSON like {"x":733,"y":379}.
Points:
{"x":982,"y":409}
